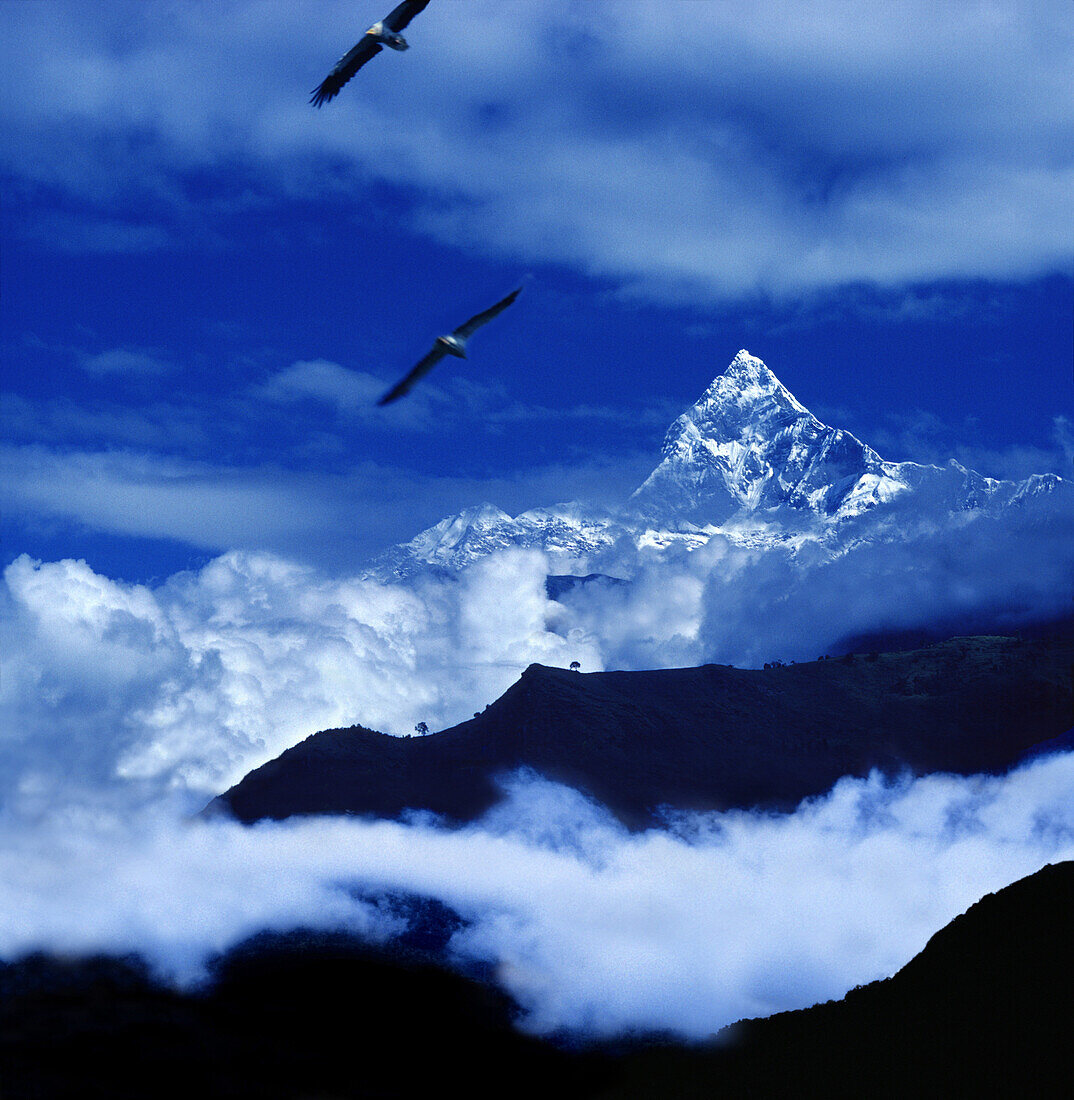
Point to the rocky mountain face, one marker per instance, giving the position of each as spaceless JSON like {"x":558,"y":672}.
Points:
{"x":749,"y":461}
{"x":748,"y":445}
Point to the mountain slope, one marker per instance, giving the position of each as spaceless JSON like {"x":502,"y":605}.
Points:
{"x":693,"y":738}
{"x":984,"y":1009}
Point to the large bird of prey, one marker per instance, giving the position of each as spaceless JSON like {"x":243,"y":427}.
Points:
{"x":455,"y":344}
{"x":384,"y":33}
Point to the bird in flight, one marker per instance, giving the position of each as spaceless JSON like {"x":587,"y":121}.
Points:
{"x":455,"y":344}
{"x":384,"y":33}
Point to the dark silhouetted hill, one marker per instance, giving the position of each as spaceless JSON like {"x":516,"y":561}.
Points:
{"x":301,"y":1015}
{"x":985,"y":1010}
{"x":694,"y":738}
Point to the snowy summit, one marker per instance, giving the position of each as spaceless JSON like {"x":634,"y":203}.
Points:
{"x":747,"y":460}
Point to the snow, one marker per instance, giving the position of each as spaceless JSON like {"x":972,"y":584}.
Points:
{"x":747,"y":461}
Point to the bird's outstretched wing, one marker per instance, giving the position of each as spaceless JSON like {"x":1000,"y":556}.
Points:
{"x":479,"y":319}
{"x":345,"y":68}
{"x":418,"y":371}
{"x":402,"y":15}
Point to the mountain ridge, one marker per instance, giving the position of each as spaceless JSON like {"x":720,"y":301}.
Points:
{"x":713,"y":737}
{"x":983,"y":1009}
{"x":747,"y":461}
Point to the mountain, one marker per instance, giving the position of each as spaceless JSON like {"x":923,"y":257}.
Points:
{"x":749,"y":461}
{"x":983,"y":1010}
{"x":289,"y":1016}
{"x":571,"y":533}
{"x":748,"y":445}
{"x":693,"y":738}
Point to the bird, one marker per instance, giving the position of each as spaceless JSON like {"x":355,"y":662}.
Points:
{"x":455,"y":344}
{"x":384,"y":33}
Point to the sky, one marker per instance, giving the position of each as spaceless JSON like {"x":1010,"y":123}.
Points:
{"x":206,"y":283}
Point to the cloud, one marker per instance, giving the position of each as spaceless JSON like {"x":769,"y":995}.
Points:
{"x":923,"y":437}
{"x":737,"y":605}
{"x":329,"y":383}
{"x":691,"y":151}
{"x":333,"y":519}
{"x":214,"y":672}
{"x":124,"y":361}
{"x":592,"y":929}
{"x":155,"y":497}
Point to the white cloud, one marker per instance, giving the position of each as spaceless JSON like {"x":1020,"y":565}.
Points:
{"x":338,"y":520}
{"x":124,"y":361}
{"x":329,"y":383}
{"x":590,"y":928}
{"x":731,"y":605}
{"x":213,"y":672}
{"x":217,"y":671}
{"x":146,"y":495}
{"x":698,"y":150}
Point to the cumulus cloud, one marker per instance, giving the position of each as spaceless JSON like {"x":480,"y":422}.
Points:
{"x":679,"y":149}
{"x":592,"y":929}
{"x":215,"y":672}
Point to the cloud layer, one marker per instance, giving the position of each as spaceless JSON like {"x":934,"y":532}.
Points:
{"x":592,"y":929}
{"x":697,"y":150}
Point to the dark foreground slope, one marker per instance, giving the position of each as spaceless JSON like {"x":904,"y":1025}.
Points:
{"x":694,"y":738}
{"x":985,"y":1009}
{"x":306,"y":1015}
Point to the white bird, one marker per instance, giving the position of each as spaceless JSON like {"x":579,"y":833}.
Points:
{"x":384,"y":33}
{"x":455,"y":344}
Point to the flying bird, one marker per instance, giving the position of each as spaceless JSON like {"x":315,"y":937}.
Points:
{"x":384,"y":33}
{"x":455,"y":344}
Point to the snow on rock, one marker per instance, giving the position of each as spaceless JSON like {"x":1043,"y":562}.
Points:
{"x":747,"y":461}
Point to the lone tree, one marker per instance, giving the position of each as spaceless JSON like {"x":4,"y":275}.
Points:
{"x":421,"y":729}
{"x":575,"y":666}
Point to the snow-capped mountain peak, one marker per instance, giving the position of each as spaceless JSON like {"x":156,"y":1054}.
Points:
{"x":748,"y":443}
{"x":749,"y":385}
{"x":747,"y":459}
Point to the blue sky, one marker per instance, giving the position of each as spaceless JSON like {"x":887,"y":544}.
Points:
{"x":206,"y":282}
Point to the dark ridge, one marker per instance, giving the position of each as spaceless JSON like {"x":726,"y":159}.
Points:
{"x":984,"y":1010}
{"x":704,"y":738}
{"x":888,"y":641}
{"x":557,"y":585}
{"x":299,"y":1015}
